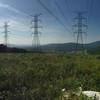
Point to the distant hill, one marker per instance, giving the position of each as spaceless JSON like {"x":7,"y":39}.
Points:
{"x":94,"y":45}
{"x":69,"y":47}
{"x":62,"y":47}
{"x":59,"y":47}
{"x":4,"y":48}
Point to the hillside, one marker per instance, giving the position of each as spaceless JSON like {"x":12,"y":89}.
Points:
{"x":4,"y":48}
{"x":69,"y":47}
{"x":43,"y":76}
{"x":62,"y":47}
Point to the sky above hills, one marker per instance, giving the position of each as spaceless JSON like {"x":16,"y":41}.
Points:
{"x":18,"y":14}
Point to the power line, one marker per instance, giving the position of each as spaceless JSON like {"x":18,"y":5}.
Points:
{"x":91,"y":4}
{"x":87,"y":5}
{"x":60,"y":10}
{"x":68,"y":8}
{"x":47,"y":9}
{"x":51,"y":13}
{"x":91,"y":7}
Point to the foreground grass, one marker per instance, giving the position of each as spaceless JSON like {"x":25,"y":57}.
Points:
{"x":42,"y":76}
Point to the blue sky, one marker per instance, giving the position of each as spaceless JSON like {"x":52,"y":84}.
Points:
{"x":17,"y":13}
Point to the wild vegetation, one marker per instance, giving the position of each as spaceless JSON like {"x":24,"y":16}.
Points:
{"x":27,"y":76}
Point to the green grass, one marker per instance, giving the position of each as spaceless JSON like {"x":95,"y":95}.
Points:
{"x":42,"y":76}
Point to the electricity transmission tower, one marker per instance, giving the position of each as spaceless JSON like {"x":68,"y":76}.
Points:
{"x":36,"y":39}
{"x":6,"y":33}
{"x":80,"y":31}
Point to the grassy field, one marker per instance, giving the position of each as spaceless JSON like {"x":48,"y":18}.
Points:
{"x":42,"y":76}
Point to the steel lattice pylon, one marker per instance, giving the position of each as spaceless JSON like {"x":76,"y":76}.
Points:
{"x":80,"y":27}
{"x":36,"y":40}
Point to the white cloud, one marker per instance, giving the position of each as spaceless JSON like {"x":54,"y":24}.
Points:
{"x":2,"y":5}
{"x":15,"y":25}
{"x":19,"y":26}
